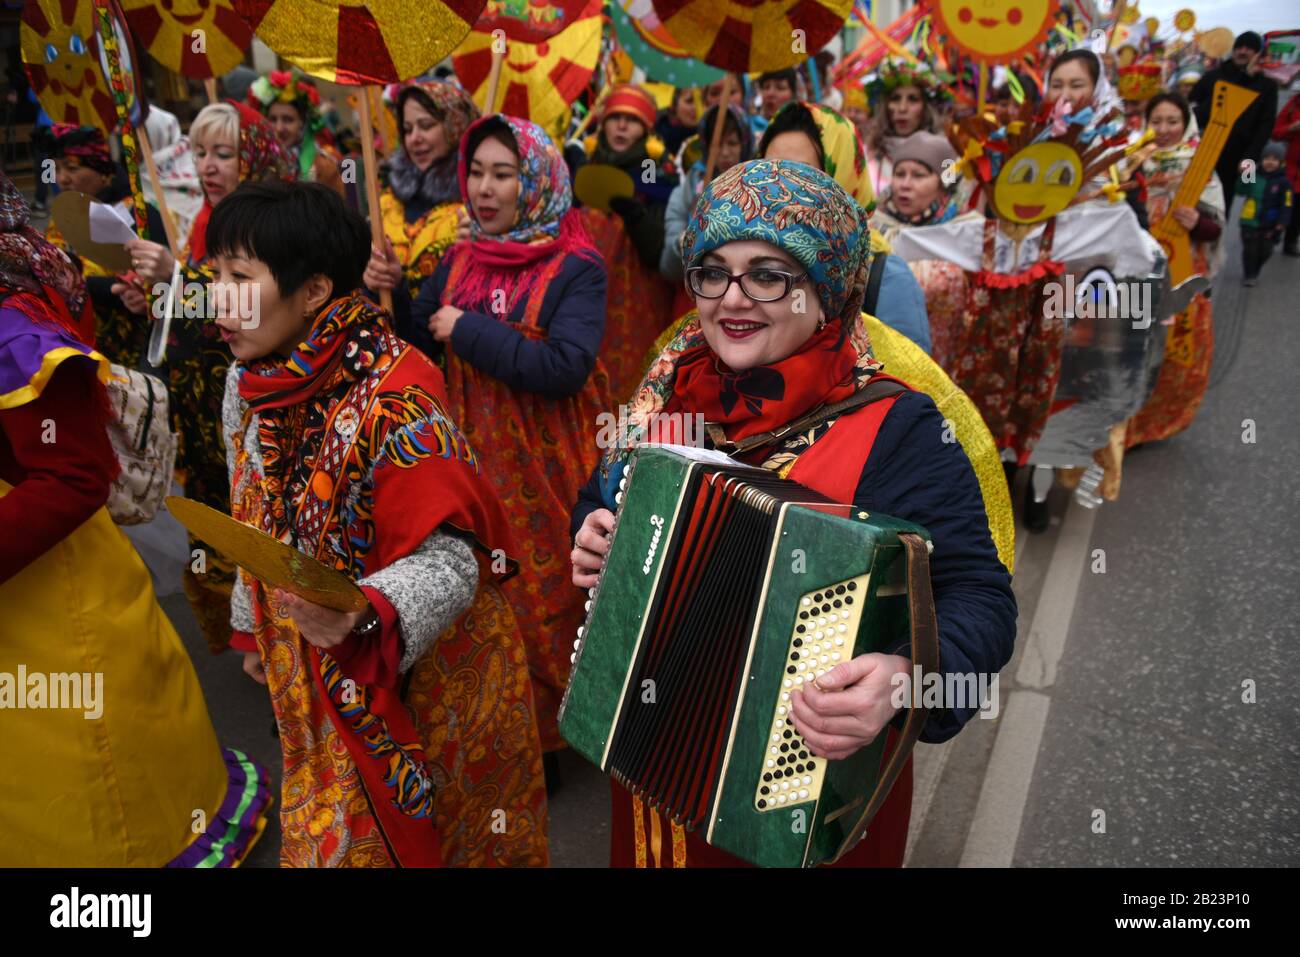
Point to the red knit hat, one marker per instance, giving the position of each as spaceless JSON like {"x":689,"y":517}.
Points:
{"x":632,"y":100}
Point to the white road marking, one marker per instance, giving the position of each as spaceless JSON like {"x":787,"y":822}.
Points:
{"x":991,"y":841}
{"x":995,"y":829}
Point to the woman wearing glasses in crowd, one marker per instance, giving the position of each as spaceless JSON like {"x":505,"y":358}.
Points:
{"x":777,"y":258}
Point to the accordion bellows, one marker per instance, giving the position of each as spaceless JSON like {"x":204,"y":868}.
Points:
{"x":725,"y":589}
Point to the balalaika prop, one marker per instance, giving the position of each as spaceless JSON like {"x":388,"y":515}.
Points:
{"x":724,"y":591}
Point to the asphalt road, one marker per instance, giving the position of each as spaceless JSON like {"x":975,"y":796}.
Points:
{"x":1128,"y":733}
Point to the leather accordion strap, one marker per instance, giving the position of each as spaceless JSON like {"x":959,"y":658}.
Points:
{"x":925,"y":652}
{"x":872,"y":392}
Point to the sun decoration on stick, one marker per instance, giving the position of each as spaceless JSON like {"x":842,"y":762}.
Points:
{"x":60,"y":50}
{"x":753,"y":36}
{"x":198,"y":38}
{"x":538,"y":80}
{"x":354,"y":42}
{"x":994,"y":31}
{"x":1036,"y":166}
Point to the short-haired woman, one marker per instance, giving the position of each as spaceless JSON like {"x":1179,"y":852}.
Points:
{"x":407,"y":724}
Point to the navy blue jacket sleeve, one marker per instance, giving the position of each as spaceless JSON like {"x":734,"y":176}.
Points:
{"x":913,"y":474}
{"x":402,"y":304}
{"x":573,"y":314}
{"x":590,"y":497}
{"x":413,"y":323}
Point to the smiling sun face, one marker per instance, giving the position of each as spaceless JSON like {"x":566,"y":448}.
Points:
{"x":994,"y":30}
{"x":1037,"y":183}
{"x":61,"y":54}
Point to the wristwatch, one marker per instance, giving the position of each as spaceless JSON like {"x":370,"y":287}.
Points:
{"x":369,"y":626}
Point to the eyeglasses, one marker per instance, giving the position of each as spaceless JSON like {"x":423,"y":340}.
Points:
{"x":761,"y":285}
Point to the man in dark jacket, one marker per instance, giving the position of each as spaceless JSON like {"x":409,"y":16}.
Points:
{"x":1251,"y":131}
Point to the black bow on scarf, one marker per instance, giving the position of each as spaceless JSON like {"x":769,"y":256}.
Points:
{"x":753,"y":385}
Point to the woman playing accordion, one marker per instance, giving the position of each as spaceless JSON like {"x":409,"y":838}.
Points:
{"x":777,"y":259}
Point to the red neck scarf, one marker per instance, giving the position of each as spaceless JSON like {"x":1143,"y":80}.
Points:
{"x":513,"y":266}
{"x":766,"y":397}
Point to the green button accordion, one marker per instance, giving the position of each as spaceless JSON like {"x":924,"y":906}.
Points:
{"x":725,"y":590}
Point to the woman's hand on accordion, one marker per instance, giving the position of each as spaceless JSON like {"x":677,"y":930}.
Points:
{"x":589,"y":547}
{"x":847,"y":708}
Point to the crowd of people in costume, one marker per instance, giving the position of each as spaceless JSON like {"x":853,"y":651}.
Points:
{"x":776,"y":255}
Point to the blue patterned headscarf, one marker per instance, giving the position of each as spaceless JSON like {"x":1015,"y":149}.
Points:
{"x":545,"y":195}
{"x":800,"y":210}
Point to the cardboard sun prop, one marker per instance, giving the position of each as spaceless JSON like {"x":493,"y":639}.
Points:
{"x":169,"y":32}
{"x":61,"y":52}
{"x":1035,"y":167}
{"x":994,"y":31}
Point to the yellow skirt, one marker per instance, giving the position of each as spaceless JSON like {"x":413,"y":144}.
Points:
{"x":109,"y":757}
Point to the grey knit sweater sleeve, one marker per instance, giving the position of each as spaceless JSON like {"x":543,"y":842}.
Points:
{"x":429,"y":588}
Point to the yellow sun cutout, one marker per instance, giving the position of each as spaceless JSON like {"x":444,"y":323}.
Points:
{"x":1037,"y":183}
{"x":994,"y":31}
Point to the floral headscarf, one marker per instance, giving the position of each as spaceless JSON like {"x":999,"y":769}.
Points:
{"x":802,"y":211}
{"x":797,"y":208}
{"x":260,"y":154}
{"x":545,"y":195}
{"x":545,"y":224}
{"x":29,"y":262}
{"x":437,"y":184}
{"x":86,"y":143}
{"x":846,"y":158}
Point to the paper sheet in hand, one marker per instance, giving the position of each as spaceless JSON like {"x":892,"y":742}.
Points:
{"x":110,"y":224}
{"x":71,"y":212}
{"x":271,"y":562}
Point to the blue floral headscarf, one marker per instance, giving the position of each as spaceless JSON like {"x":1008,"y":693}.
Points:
{"x":545,"y":195}
{"x":802,"y":211}
{"x":545,"y":224}
{"x":797,"y":208}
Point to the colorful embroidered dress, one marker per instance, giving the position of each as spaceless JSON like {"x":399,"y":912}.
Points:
{"x":943,"y":282}
{"x":531,"y":431}
{"x":346,"y":450}
{"x":1189,"y":345}
{"x":197,"y":360}
{"x":1007,"y":357}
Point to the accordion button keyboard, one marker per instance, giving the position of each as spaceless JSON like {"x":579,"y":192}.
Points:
{"x":814,"y":648}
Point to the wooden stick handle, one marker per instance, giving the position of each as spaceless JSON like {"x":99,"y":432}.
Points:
{"x":372,"y":183}
{"x":210,"y":85}
{"x":376,"y":105}
{"x":494,"y":77}
{"x":169,"y":224}
{"x":719,"y":122}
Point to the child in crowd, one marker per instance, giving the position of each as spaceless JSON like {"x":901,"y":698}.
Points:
{"x":1267,"y":211}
